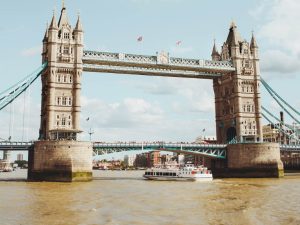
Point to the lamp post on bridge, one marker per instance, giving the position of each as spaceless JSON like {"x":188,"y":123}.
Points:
{"x":90,"y":133}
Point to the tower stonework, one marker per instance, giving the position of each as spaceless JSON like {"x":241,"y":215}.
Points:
{"x":58,"y":156}
{"x":237,"y":95}
{"x":238,"y":113}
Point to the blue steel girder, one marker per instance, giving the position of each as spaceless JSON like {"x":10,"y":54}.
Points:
{"x":108,"y":62}
{"x":207,"y":150}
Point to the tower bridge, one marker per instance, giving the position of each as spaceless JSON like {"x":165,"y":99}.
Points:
{"x":235,"y":72}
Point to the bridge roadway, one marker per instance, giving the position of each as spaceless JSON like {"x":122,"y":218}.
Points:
{"x":101,"y":148}
{"x":158,"y":65}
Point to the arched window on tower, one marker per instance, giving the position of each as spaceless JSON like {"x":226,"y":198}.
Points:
{"x":70,"y":101}
{"x":248,"y":108}
{"x":66,"y":50}
{"x":64,"y":101}
{"x":63,"y":121}
{"x":66,"y":35}
{"x":58,"y":101}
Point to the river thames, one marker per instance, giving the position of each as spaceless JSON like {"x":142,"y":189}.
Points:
{"x":124,"y":197}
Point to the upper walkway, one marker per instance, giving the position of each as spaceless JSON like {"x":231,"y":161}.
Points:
{"x":158,"y":65}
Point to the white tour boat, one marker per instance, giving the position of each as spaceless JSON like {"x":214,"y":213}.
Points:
{"x":186,"y":172}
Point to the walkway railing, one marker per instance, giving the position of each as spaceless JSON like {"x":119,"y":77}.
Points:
{"x":209,"y":150}
{"x":159,"y":65}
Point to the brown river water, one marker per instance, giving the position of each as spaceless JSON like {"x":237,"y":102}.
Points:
{"x":124,"y":197}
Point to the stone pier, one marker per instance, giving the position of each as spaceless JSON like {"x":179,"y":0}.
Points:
{"x":60,"y":161}
{"x":250,"y":160}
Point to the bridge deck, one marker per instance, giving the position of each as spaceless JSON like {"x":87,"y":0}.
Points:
{"x":159,"y":65}
{"x":208,"y":150}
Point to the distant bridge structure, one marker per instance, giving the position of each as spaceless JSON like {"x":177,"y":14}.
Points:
{"x":100,"y":148}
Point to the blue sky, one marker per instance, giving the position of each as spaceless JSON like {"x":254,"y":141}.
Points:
{"x":123,"y":107}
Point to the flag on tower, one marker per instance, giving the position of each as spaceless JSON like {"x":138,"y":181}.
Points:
{"x":178,"y":43}
{"x":140,"y":39}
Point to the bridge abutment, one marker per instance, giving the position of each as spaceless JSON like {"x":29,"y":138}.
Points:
{"x":250,"y":160}
{"x":64,"y":161}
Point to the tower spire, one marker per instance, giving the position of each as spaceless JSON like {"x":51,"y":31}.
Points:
{"x":53,"y":23}
{"x":253,"y":43}
{"x":78,"y":24}
{"x":63,"y":19}
{"x":46,"y":33}
{"x":215,"y":54}
{"x":233,"y":38}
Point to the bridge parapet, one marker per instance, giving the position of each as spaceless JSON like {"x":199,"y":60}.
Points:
{"x":146,"y":60}
{"x":290,"y":148}
{"x":15,"y":146}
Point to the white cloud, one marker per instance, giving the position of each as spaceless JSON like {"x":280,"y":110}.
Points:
{"x":131,"y":112}
{"x":279,"y":62}
{"x":280,"y":22}
{"x":197,"y":94}
{"x":32,"y":51}
{"x":137,"y":119}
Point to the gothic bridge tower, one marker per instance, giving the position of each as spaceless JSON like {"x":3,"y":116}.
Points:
{"x":58,"y":156}
{"x":61,"y":82}
{"x":237,"y":95}
{"x":238,"y":115}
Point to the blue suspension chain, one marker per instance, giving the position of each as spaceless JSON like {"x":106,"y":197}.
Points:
{"x":271,"y":93}
{"x":18,"y":90}
{"x":267,"y":86}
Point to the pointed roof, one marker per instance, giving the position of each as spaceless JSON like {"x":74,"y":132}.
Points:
{"x":46,"y":33}
{"x":214,"y":50}
{"x":253,"y":42}
{"x":63,"y":19}
{"x":233,"y":37}
{"x":53,"y":24}
{"x":78,"y":24}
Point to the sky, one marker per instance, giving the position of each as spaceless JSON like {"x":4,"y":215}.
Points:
{"x":141,"y":108}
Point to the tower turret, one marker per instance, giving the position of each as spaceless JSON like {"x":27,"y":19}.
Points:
{"x":233,"y":40}
{"x":53,"y":24}
{"x":215,"y":54}
{"x":254,"y":46}
{"x":63,"y":19}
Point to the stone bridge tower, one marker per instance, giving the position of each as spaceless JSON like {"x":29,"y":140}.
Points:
{"x":237,"y":95}
{"x":58,"y":156}
{"x":238,"y":115}
{"x":61,"y":82}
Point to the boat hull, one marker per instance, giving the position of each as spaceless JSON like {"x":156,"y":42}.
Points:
{"x":161,"y":178}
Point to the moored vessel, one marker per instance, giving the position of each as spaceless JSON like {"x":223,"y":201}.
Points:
{"x":188,"y":172}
